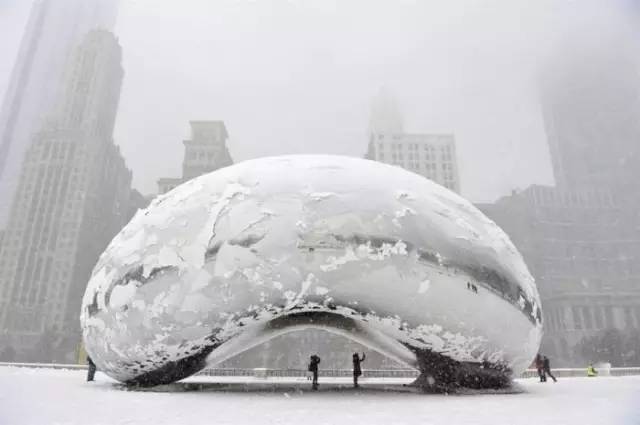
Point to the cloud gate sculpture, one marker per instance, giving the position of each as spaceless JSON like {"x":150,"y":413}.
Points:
{"x":370,"y":251}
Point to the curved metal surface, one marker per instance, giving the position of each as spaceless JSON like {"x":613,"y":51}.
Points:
{"x":371,"y":251}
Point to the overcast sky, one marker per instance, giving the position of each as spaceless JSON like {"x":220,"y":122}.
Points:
{"x":299,"y":76}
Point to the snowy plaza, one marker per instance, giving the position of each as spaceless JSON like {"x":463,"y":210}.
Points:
{"x":62,"y":397}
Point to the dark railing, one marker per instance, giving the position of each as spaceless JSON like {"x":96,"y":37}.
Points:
{"x":292,"y":373}
{"x":340,"y":373}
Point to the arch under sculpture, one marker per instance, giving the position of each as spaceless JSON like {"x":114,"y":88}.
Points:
{"x":367,"y":250}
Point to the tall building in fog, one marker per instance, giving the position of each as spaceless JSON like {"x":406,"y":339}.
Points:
{"x":53,"y":30}
{"x":581,"y":239}
{"x":590,"y":101}
{"x":72,"y":197}
{"x":430,"y":155}
{"x":204,"y":152}
{"x":584,"y":254}
{"x":385,"y":115}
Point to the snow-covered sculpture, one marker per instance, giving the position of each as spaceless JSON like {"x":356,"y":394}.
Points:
{"x":371,"y":251}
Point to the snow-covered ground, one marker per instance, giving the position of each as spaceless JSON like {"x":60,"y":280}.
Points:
{"x":62,"y":397}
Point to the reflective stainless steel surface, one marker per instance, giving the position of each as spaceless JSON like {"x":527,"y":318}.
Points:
{"x":371,"y":251}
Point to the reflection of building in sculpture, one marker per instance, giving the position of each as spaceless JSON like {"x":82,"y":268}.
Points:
{"x":53,"y":31}
{"x":206,"y":151}
{"x":580,"y":239}
{"x":73,"y":196}
{"x":291,"y":351}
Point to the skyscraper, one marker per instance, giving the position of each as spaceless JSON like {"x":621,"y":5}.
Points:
{"x":73,"y":196}
{"x":53,"y":30}
{"x":204,"y":152}
{"x":430,"y":155}
{"x":581,"y":239}
{"x":385,"y":115}
{"x":591,"y":105}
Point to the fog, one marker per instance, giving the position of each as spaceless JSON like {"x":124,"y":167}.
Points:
{"x":299,"y":76}
{"x":527,"y":88}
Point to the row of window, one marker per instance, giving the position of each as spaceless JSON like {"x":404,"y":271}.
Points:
{"x":51,"y":290}
{"x":592,"y":267}
{"x":399,"y":157}
{"x":428,"y":170}
{"x":592,"y":318}
{"x":429,"y":152}
{"x":199,"y":155}
{"x":545,"y":196}
{"x":432,"y":138}
{"x":415,"y":147}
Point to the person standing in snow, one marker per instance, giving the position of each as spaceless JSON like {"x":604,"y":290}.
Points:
{"x":591,"y":371}
{"x":92,"y":369}
{"x":546,"y":368}
{"x":539,"y":363}
{"x":314,"y":361}
{"x":357,"y":371}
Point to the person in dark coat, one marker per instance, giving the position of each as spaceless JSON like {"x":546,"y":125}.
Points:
{"x":91,"y":372}
{"x":314,"y":361}
{"x":539,"y":363}
{"x":357,"y":371}
{"x":546,"y":368}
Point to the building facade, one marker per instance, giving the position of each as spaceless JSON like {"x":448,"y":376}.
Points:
{"x":74,"y":194}
{"x":204,"y":152}
{"x":590,"y":102}
{"x":581,"y":238}
{"x":54,"y":29}
{"x":430,"y":155}
{"x":585,"y":260}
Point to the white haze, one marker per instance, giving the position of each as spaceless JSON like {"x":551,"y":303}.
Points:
{"x":299,"y":76}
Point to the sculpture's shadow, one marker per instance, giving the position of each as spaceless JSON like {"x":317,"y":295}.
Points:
{"x":298,"y":388}
{"x":270,"y":387}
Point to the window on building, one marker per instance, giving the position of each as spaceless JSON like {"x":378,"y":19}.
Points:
{"x":560,"y":318}
{"x":628,"y":318}
{"x":588,"y":321}
{"x":599,"y":320}
{"x":608,"y":315}
{"x":577,"y":320}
